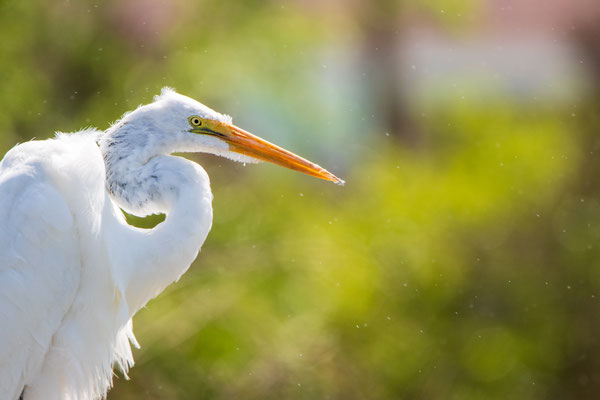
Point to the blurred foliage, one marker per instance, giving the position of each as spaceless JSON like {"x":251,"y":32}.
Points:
{"x":464,"y":268}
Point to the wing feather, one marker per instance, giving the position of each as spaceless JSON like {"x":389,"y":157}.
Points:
{"x":39,"y":268}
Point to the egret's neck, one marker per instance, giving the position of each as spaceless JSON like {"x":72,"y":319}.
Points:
{"x":159,"y":256}
{"x":140,"y":177}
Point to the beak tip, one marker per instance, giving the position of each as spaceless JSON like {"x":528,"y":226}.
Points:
{"x":339,"y":181}
{"x":331,"y":177}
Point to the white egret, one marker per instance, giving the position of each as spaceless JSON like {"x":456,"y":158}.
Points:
{"x":72,"y":271}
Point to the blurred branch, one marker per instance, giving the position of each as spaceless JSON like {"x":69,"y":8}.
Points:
{"x":382,"y":27}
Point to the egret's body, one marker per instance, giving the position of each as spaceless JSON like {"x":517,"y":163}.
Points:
{"x":72,"y":271}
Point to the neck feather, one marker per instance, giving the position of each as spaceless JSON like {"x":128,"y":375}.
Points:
{"x":136,"y":170}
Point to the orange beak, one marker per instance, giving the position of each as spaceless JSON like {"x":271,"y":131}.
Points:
{"x":246,"y":143}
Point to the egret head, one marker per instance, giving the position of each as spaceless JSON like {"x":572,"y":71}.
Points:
{"x":177,"y":123}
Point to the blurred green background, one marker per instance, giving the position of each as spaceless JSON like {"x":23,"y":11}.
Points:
{"x":460,"y":261}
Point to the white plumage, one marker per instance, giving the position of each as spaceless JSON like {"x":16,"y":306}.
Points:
{"x":72,"y":271}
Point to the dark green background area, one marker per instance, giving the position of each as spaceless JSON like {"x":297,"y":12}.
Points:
{"x":460,"y":261}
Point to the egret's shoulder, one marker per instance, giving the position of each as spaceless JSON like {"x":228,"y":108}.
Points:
{"x":69,"y":160}
{"x":61,"y":144}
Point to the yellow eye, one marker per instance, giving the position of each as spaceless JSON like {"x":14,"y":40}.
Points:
{"x":195,"y":121}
